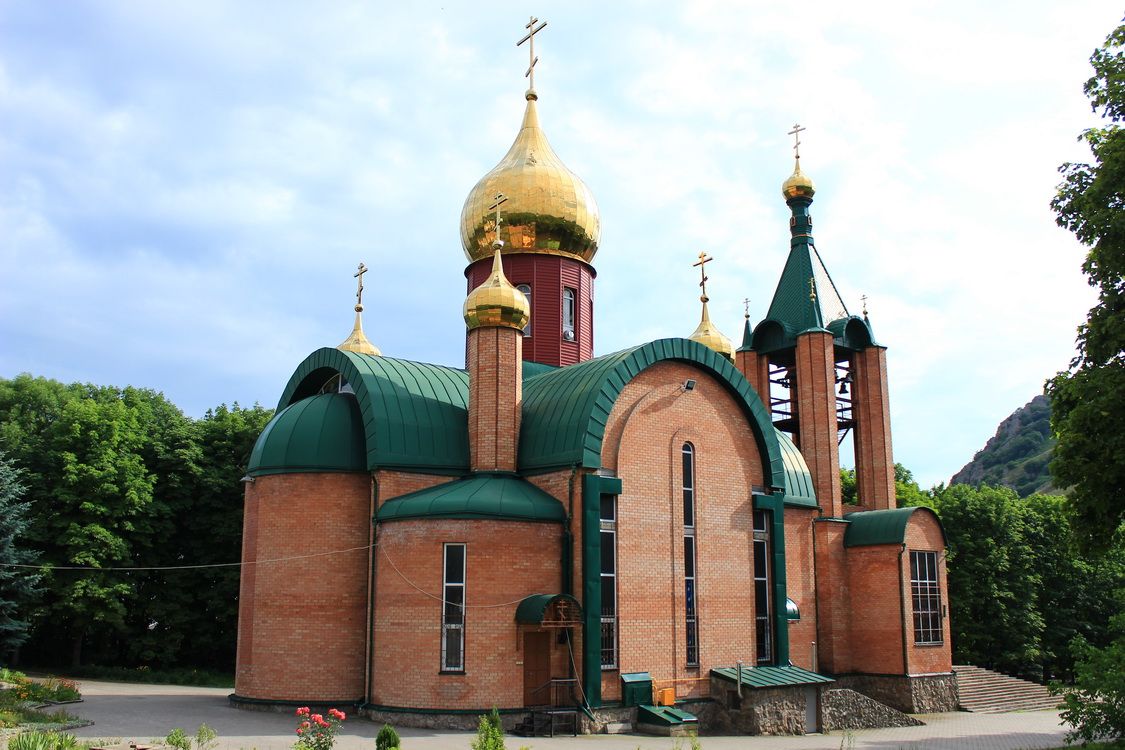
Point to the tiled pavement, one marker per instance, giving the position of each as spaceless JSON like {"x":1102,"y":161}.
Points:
{"x":144,"y":712}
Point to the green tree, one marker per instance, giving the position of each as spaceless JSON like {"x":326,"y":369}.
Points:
{"x":848,"y":486}
{"x":18,"y":586}
{"x":1086,"y":400}
{"x":1095,"y":707}
{"x":993,"y":580}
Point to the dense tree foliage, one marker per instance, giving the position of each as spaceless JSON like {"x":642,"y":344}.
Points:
{"x":1086,"y":401}
{"x":18,"y":585}
{"x":118,"y":478}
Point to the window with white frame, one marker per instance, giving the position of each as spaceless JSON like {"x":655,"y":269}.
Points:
{"x":568,"y":313}
{"x":453,"y":610}
{"x":526,"y":289}
{"x":608,"y":532}
{"x":925,"y":593}
{"x":691,"y":632}
{"x":762,"y":610}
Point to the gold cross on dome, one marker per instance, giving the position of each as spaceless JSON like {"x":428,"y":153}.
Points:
{"x":359,"y":290}
{"x":704,"y":259}
{"x":796,"y":133}
{"x":812,"y":289}
{"x":864,"y":300}
{"x":746,"y":307}
{"x":530,"y":39}
{"x":500,"y":199}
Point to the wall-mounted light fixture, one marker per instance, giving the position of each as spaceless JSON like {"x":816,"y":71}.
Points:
{"x":247,"y":479}
{"x":689,"y":385}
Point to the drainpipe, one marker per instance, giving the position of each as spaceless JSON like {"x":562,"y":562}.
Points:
{"x":568,"y":537}
{"x":902,"y":609}
{"x":816,"y":594}
{"x":373,"y":558}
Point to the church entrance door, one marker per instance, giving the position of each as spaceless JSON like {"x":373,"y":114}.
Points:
{"x":536,"y":669}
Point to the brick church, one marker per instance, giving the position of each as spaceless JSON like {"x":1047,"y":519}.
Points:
{"x":656,"y":534}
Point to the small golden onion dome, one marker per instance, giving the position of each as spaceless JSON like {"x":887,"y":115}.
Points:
{"x":711,"y":337}
{"x":549,"y":210}
{"x":357,"y":342}
{"x":496,"y":303}
{"x":799,"y":184}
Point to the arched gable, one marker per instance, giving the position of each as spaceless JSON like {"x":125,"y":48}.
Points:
{"x":415,"y":415}
{"x":869,"y":527}
{"x":565,"y":411}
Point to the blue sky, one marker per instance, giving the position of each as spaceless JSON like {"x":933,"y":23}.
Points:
{"x":186,"y":189}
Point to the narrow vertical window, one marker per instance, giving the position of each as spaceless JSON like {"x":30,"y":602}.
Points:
{"x":609,"y":581}
{"x":762,"y":609}
{"x":691,"y":632}
{"x":926,"y":595}
{"x":453,"y":610}
{"x":568,"y":314}
{"x":526,"y":289}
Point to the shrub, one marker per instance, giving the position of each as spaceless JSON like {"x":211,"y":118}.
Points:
{"x":388,"y":738}
{"x":32,"y":741}
{"x":314,"y":731}
{"x":205,"y":737}
{"x":1095,"y":706}
{"x":489,"y":734}
{"x":178,"y":739}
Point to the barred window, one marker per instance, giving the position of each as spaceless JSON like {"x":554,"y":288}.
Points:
{"x":926,"y":595}
{"x":608,"y":519}
{"x":453,"y":610}
{"x":568,"y":310}
{"x":691,"y":632}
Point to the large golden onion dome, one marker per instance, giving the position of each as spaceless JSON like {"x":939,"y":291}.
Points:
{"x":710,"y":336}
{"x":799,"y":184}
{"x":496,"y":303}
{"x":549,"y":209}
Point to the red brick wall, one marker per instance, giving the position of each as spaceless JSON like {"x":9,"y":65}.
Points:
{"x":875,"y":468}
{"x":651,"y":420}
{"x":833,"y":598}
{"x":495,"y":398}
{"x":302,"y":622}
{"x":505,"y":561}
{"x":755,"y":368}
{"x":876,"y":610}
{"x":800,"y":583}
{"x":816,"y":414}
{"x":924,"y":534}
{"x":392,"y":484}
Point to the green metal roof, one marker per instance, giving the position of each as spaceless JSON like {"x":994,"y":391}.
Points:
{"x":488,"y":496}
{"x":664,"y":716}
{"x":869,"y":527}
{"x":532,"y":608}
{"x":792,"y":611}
{"x":799,"y":490}
{"x":319,"y":433}
{"x":414,"y":414}
{"x":770,"y":677}
{"x":531,"y":369}
{"x":565,"y":411}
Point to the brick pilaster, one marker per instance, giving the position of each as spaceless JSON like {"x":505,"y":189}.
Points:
{"x":816,"y":410}
{"x":874,"y":464}
{"x":495,"y":397}
{"x":756,"y":369}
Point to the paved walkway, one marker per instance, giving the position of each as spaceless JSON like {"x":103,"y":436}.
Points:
{"x":145,"y":712}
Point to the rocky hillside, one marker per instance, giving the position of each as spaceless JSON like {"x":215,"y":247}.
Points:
{"x":1018,"y":454}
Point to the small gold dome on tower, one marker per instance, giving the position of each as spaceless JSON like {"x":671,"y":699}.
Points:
{"x":550,"y":210}
{"x":711,"y":337}
{"x":799,"y":184}
{"x":496,"y":303}
{"x":357,"y":342}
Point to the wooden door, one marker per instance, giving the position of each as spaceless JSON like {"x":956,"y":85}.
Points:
{"x":536,"y":668}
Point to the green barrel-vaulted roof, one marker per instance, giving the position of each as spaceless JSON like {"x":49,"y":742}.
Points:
{"x":799,"y":490}
{"x":501,"y":497}
{"x":870,"y":527}
{"x":414,"y":414}
{"x":565,"y":411}
{"x":318,"y":433}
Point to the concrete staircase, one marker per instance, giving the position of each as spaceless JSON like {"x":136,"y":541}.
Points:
{"x":985,"y":691}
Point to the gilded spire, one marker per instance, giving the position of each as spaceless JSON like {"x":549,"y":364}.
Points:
{"x":357,"y":342}
{"x":706,"y":333}
{"x":799,"y":185}
{"x":496,"y":303}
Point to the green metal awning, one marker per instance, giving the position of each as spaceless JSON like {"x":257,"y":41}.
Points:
{"x":792,"y":611}
{"x":771,"y":677}
{"x":501,"y":497}
{"x":533,"y":608}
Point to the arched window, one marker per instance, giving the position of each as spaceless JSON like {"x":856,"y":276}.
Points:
{"x":526,"y":289}
{"x":691,"y":632}
{"x":568,"y":314}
